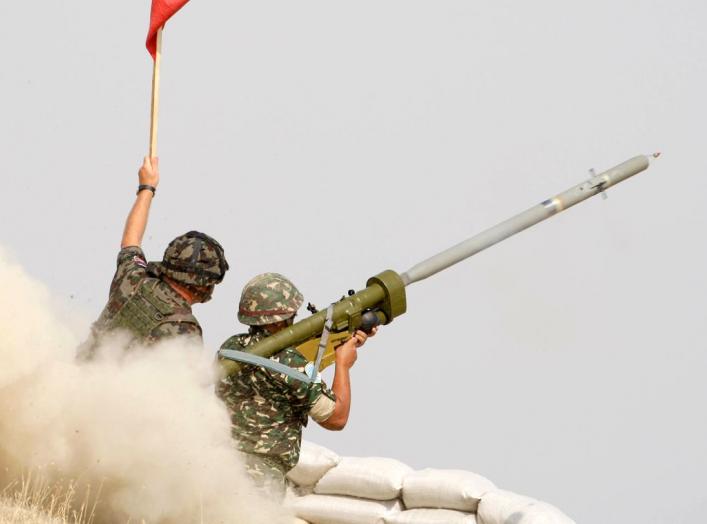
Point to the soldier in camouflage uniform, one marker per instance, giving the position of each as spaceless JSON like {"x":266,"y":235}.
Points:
{"x":269,"y":409}
{"x":152,"y":301}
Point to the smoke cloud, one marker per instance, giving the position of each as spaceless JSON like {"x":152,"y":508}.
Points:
{"x":145,"y":425}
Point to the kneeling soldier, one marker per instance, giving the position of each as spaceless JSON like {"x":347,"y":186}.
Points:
{"x":269,"y":409}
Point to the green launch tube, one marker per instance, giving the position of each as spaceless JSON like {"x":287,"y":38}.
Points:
{"x":384,"y":295}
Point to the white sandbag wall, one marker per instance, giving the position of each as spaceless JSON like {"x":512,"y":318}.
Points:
{"x":328,"y":489}
{"x":366,"y":478}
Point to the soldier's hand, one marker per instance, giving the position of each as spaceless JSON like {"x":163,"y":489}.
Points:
{"x":347,"y":353}
{"x":150,"y":172}
{"x":359,"y":338}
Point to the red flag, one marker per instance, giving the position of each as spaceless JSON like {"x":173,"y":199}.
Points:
{"x":162,"y":10}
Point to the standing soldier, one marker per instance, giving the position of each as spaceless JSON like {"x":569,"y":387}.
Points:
{"x":152,"y":301}
{"x":269,"y":409}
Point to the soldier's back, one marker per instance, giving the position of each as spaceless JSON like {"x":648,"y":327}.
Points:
{"x":143,"y":306}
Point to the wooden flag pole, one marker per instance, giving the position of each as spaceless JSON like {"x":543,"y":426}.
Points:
{"x":154,"y":111}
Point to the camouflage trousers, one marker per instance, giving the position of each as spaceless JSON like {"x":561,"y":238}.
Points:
{"x":267,"y":473}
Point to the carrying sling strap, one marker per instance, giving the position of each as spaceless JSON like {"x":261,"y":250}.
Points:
{"x":328,"y":324}
{"x":255,"y":360}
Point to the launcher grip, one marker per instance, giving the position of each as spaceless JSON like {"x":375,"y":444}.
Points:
{"x":371,"y":319}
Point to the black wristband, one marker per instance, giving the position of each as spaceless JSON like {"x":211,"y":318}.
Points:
{"x":142,"y":187}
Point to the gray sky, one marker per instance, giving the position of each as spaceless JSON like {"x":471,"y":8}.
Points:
{"x":332,"y":140}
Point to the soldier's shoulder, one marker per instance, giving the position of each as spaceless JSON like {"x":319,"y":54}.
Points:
{"x":130,"y":271}
{"x":291,"y":357}
{"x":238,"y":342}
{"x":132,"y":255}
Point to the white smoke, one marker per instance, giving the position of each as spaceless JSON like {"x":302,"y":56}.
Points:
{"x":145,"y":426}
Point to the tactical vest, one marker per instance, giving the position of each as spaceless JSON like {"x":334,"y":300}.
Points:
{"x":146,"y":309}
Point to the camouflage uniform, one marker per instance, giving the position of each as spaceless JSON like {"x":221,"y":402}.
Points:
{"x":268,"y":409}
{"x":149,"y":309}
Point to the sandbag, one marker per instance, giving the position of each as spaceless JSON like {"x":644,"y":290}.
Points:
{"x":369,"y":478}
{"x":444,"y":488}
{"x":314,"y":462}
{"x":333,"y":509}
{"x":430,"y":516}
{"x":501,"y":507}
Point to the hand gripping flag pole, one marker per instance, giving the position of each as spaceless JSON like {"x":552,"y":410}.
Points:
{"x":161,"y":11}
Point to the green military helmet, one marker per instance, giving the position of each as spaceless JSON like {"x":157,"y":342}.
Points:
{"x":193,"y":259}
{"x":268,"y":298}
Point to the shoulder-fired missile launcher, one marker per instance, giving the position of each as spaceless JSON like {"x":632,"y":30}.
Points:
{"x":383,"y":298}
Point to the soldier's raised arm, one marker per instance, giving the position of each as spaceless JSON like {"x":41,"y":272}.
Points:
{"x":149,"y":178}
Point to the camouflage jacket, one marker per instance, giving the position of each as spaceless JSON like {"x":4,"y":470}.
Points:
{"x":268,"y":409}
{"x":130,"y":275}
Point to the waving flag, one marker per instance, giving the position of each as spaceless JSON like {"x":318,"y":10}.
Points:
{"x":162,"y":10}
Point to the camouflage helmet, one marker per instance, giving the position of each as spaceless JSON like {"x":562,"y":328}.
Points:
{"x":268,"y":298}
{"x":193,"y":259}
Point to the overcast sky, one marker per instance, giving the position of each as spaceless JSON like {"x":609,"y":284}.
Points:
{"x":331,"y":140}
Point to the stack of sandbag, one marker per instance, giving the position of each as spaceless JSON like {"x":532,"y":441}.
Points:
{"x":314,"y":462}
{"x":442,"y":495}
{"x":354,"y":491}
{"x":329,"y":489}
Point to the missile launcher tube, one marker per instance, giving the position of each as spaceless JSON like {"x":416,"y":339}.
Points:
{"x":385,"y":293}
{"x":526,"y":219}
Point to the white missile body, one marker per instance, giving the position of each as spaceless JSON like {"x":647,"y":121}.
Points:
{"x":595,"y":185}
